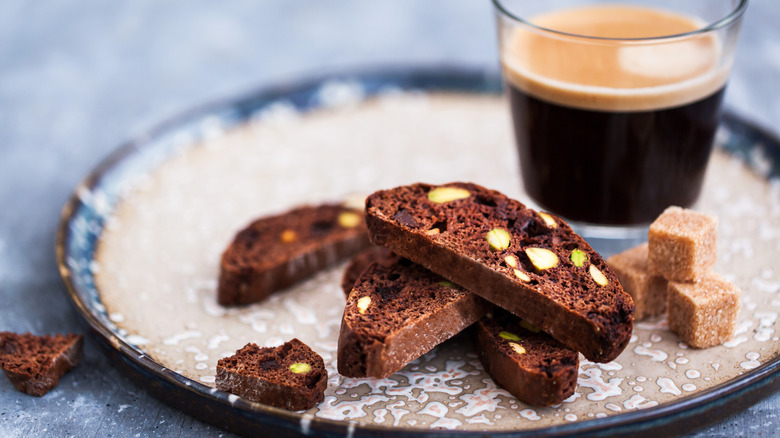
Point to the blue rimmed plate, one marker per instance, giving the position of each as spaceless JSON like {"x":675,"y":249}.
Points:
{"x":94,"y":201}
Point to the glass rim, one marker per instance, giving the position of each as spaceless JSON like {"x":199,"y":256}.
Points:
{"x":730,"y":18}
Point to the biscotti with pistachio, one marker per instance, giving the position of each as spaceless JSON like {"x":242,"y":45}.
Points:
{"x":525,"y":361}
{"x":396,"y":312}
{"x":529,"y":263}
{"x":291,"y":376}
{"x":275,"y":252}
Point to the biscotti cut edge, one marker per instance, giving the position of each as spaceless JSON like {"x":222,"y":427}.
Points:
{"x":364,"y":350}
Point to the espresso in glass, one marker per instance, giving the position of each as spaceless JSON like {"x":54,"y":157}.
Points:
{"x":612,"y":128}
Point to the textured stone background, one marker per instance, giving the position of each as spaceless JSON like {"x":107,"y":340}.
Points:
{"x":78,"y":77}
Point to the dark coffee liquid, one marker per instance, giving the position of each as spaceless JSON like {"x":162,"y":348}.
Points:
{"x":613,"y":167}
{"x":612,"y":131}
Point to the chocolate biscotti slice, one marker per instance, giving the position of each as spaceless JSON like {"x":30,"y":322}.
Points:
{"x":278,"y":251}
{"x":396,"y":313}
{"x":291,"y":376}
{"x":34,"y":364}
{"x":525,"y":361}
{"x":531,"y":264}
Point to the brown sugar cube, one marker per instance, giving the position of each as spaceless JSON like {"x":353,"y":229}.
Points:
{"x":648,"y":291}
{"x":682,"y":244}
{"x":703,"y":314}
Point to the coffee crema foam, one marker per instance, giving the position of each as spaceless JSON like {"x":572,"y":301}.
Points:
{"x":612,"y":75}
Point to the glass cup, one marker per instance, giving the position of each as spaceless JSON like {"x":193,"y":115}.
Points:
{"x":615,"y":104}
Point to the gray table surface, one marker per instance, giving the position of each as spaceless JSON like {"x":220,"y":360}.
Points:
{"x":78,"y":77}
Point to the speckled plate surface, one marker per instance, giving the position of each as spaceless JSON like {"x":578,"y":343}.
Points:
{"x":140,"y":239}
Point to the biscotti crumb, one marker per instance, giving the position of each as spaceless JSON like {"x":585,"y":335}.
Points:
{"x":703,"y":314}
{"x":291,"y":376}
{"x":648,"y":291}
{"x":34,"y":364}
{"x":682,"y":244}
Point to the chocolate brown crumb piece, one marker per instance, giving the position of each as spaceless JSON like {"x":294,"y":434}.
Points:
{"x":34,"y":364}
{"x":291,"y":376}
{"x":398,"y":312}
{"x":275,"y":252}
{"x":525,"y":361}
{"x":531,"y":264}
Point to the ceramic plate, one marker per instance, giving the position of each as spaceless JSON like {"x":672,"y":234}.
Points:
{"x":140,"y":240}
